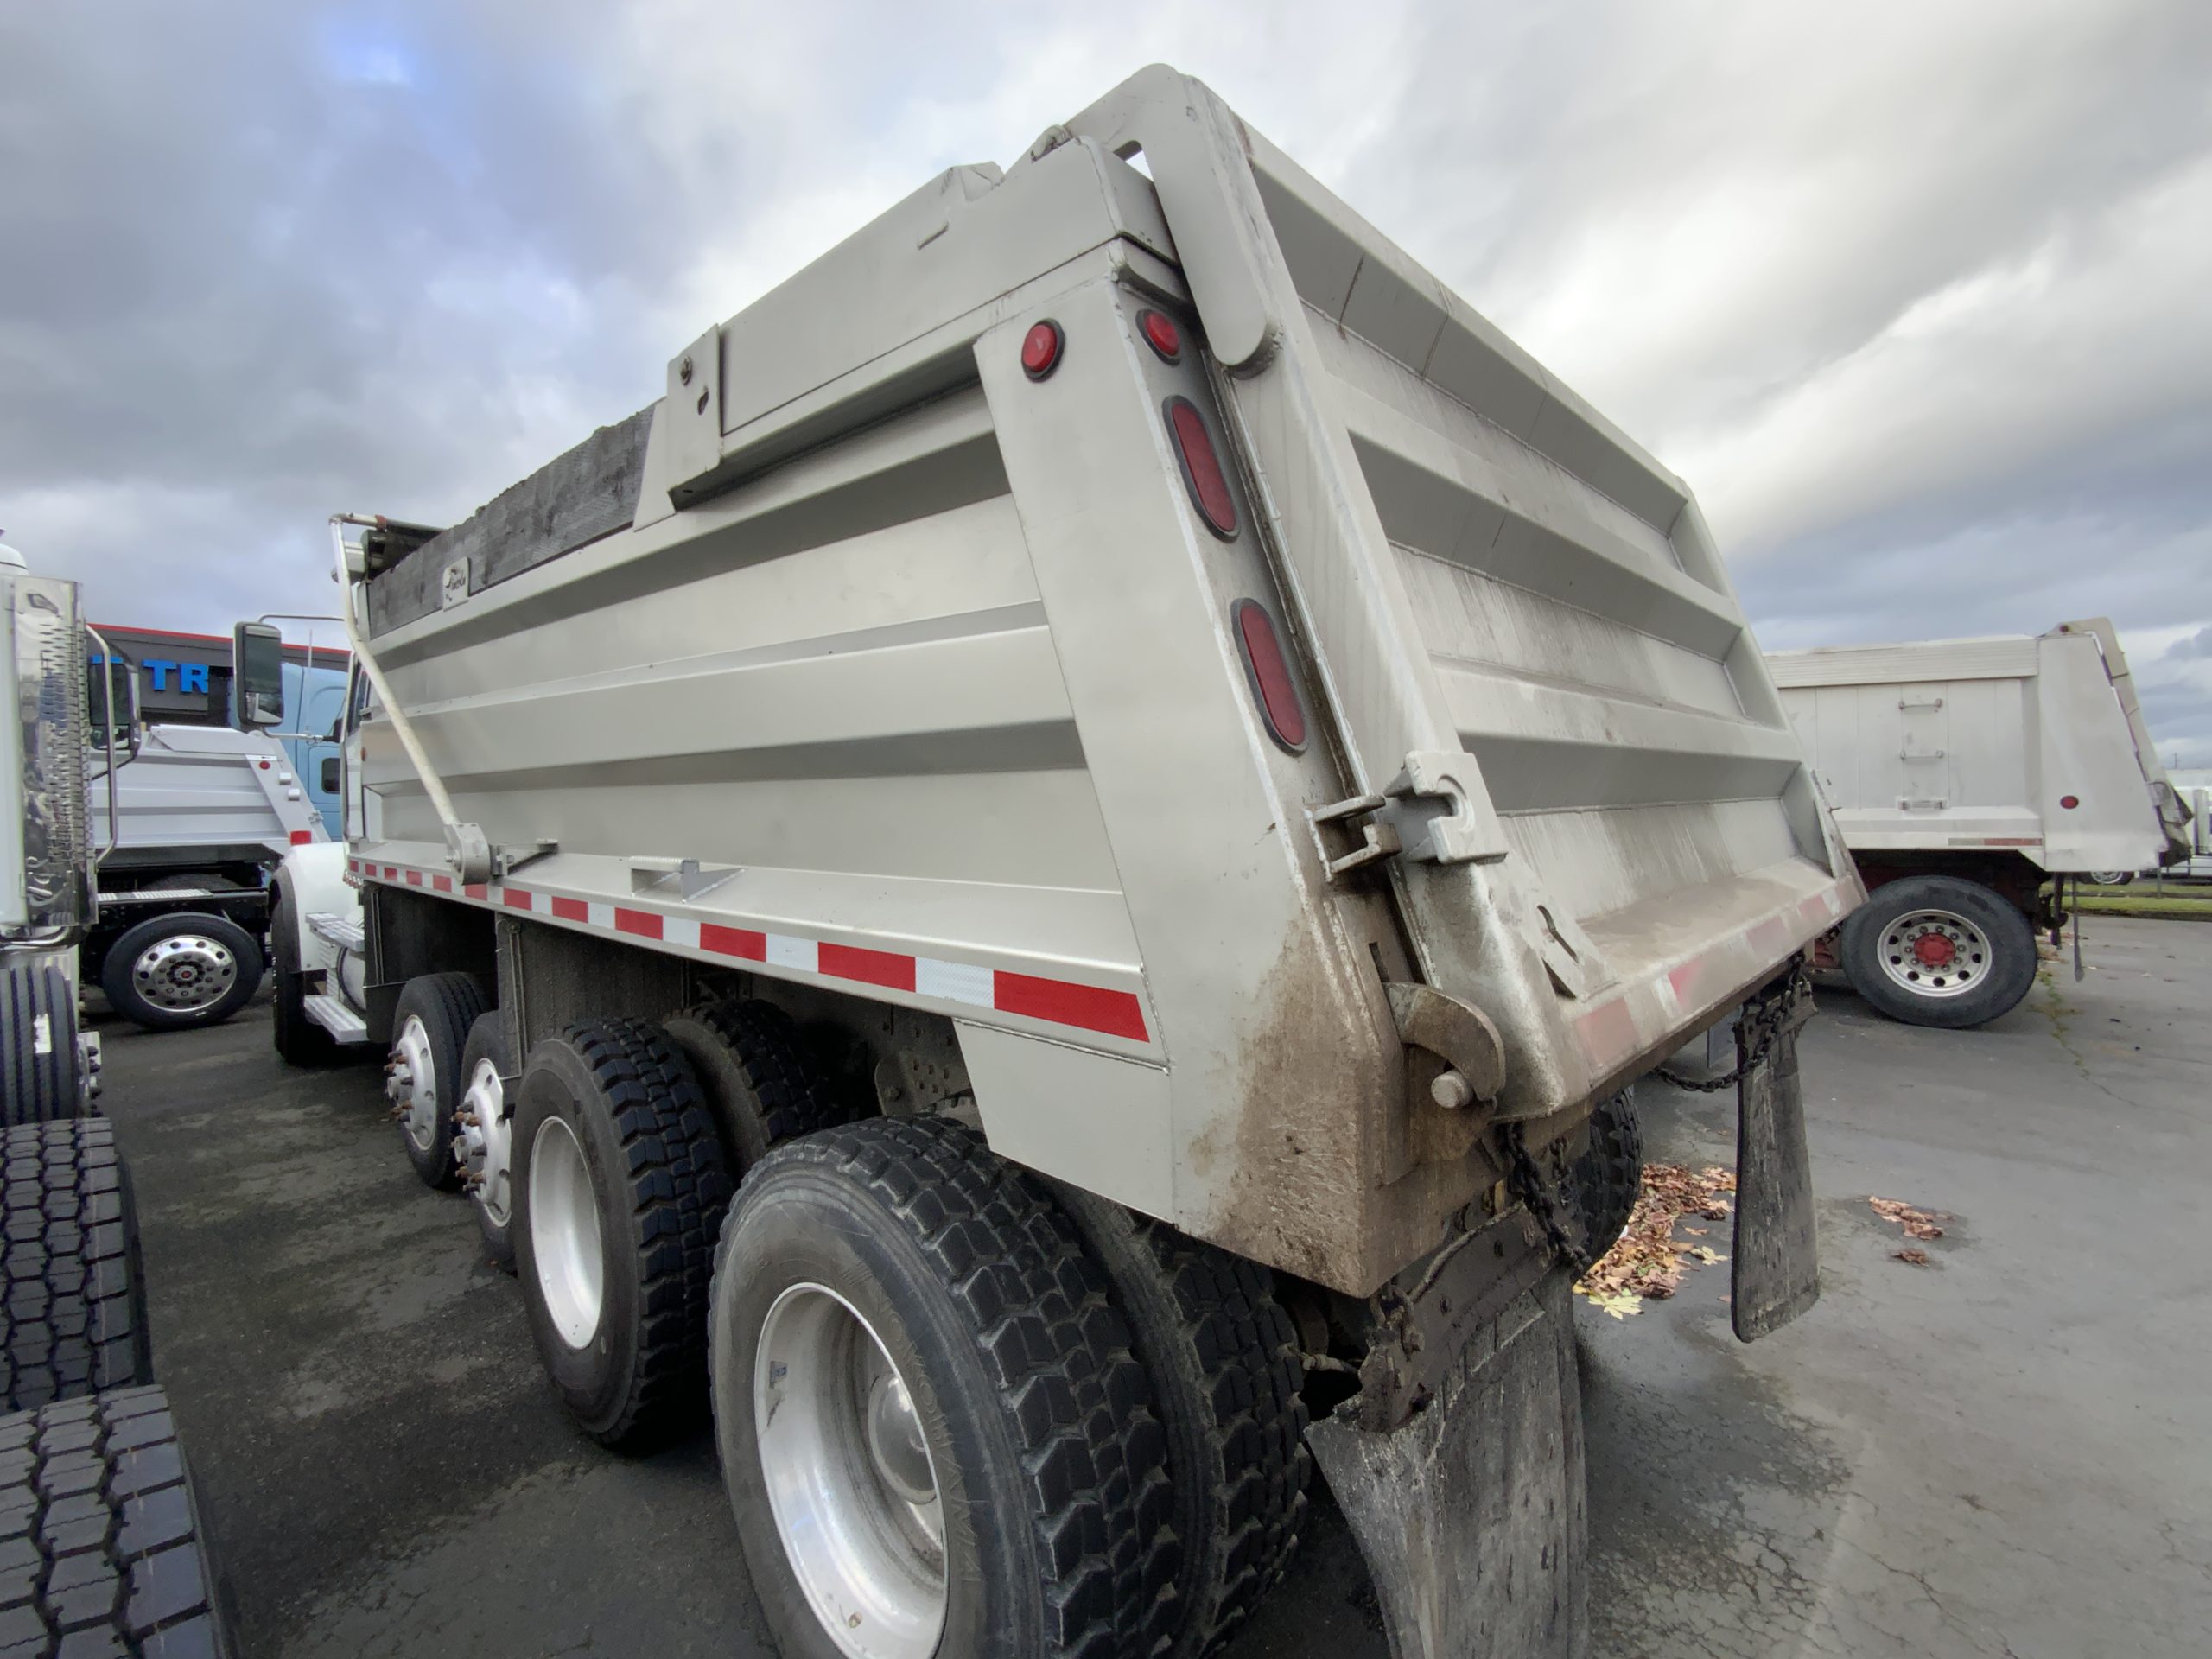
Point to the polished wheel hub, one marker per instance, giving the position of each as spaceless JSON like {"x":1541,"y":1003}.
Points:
{"x":1934,"y":953}
{"x":850,"y":1476}
{"x":184,"y":973}
{"x":485,"y":1144}
{"x":411,"y":1083}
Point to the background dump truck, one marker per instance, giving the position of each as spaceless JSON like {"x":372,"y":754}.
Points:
{"x":1965,"y":774}
{"x":1126,"y":773}
{"x":98,"y":1521}
{"x":203,"y":815}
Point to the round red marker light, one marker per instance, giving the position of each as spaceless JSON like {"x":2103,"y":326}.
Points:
{"x":1040,"y":350}
{"x":1161,"y":334}
{"x":2069,"y":802}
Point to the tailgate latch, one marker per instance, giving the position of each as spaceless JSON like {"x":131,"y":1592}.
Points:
{"x":1426,"y":813}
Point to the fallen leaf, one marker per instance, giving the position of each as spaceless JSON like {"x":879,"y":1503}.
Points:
{"x":1917,"y":1257}
{"x":1917,"y":1224}
{"x":1617,"y":1303}
{"x":1647,"y":1263}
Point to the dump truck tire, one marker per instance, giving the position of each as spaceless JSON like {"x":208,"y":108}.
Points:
{"x":618,"y":1192}
{"x":72,"y":1309}
{"x":101,"y":1546}
{"x":911,"y":1345}
{"x":1939,"y":951}
{"x":40,"y":1070}
{"x":299,"y":1040}
{"x":755,"y":1075}
{"x":180,"y":971}
{"x":1223,"y":1358}
{"x":429,"y":1028}
{"x":1602,"y":1184}
{"x":484,"y":1142}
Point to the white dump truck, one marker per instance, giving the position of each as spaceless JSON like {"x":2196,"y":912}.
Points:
{"x":203,"y":815}
{"x":101,"y":1548}
{"x":1138,"y":783}
{"x":1966,"y":774}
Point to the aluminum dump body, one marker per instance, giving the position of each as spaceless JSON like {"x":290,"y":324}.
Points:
{"x":870,"y":657}
{"x":2018,"y":743}
{"x":204,"y":792}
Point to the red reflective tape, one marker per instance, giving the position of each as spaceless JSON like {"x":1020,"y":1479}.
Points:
{"x":572,"y":910}
{"x":644,"y":924}
{"x":443,"y":883}
{"x":733,"y":941}
{"x":303,"y":837}
{"x":515,"y":898}
{"x":476,"y":890}
{"x":1117,"y":1013}
{"x":392,"y":872}
{"x":414,"y":878}
{"x":884,"y":968}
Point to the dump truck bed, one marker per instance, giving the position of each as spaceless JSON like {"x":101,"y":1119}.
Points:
{"x":203,"y":791}
{"x":2021,"y":743}
{"x":1232,"y":740}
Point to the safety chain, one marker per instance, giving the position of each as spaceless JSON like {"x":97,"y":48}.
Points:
{"x":1765,"y":1012}
{"x":1527,"y":1183}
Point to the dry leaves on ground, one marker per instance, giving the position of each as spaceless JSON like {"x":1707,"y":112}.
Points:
{"x":1917,"y":1258}
{"x":1917,"y":1224}
{"x":1649,"y":1261}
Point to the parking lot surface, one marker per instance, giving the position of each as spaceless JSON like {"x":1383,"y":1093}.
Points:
{"x":2005,"y":1452}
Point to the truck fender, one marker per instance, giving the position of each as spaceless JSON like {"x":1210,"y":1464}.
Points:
{"x":314,"y":876}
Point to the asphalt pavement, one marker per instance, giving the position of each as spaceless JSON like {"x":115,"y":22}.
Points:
{"x":2005,"y":1452}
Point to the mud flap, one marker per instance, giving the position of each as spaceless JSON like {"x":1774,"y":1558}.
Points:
{"x":1471,"y":1513}
{"x":1775,"y":1271}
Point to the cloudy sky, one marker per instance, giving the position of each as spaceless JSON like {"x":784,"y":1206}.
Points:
{"x":1917,"y":296}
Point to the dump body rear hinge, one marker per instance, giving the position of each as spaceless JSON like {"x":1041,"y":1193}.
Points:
{"x":1429,"y":812}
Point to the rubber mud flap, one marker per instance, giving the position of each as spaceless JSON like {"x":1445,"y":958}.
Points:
{"x":1473,"y":1516}
{"x":1777,"y":1261}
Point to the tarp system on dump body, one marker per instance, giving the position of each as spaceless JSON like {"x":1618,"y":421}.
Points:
{"x":2012,"y":743}
{"x":870,"y":658}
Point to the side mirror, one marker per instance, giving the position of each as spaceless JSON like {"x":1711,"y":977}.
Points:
{"x":112,"y":696}
{"x":330,"y":779}
{"x":257,"y":675}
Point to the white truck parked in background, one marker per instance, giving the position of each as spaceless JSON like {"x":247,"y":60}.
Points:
{"x":1148,"y":782}
{"x":1965,"y":774}
{"x":99,"y":1528}
{"x":203,"y":815}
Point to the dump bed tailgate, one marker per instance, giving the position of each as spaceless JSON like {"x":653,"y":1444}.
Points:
{"x":1521,"y":624}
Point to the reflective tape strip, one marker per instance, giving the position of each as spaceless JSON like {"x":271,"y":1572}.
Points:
{"x":1029,"y":996}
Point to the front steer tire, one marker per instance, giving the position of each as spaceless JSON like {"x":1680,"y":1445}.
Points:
{"x":208,"y":945}
{"x":299,"y":1040}
{"x":72,"y":1309}
{"x":1223,"y":1358}
{"x":101,"y":1547}
{"x":1047,"y":1463}
{"x":620,"y":1185}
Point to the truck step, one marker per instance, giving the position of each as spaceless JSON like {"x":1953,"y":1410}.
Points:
{"x":340,"y":931}
{"x":334,"y":1017}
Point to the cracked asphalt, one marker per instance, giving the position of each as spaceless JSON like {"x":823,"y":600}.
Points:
{"x":2006,"y":1453}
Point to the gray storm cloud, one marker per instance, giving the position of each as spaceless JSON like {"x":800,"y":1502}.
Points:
{"x":1911,"y":295}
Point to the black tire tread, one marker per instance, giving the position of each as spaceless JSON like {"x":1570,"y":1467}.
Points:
{"x":1603,"y":1183}
{"x":101,"y":1549}
{"x":1009,"y":1258}
{"x":764,"y":1044}
{"x":1224,"y":1358}
{"x":39,"y":1088}
{"x":298,"y":1040}
{"x":679,"y":1188}
{"x":72,"y":1309}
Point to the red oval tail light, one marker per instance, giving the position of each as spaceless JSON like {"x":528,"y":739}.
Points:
{"x":1202,"y":468}
{"x":1270,"y":673}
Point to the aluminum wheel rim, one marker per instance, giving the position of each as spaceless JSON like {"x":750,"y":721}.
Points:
{"x":184,"y":973}
{"x":1910,"y":958}
{"x":414,"y":1083}
{"x":849,"y":1476}
{"x":564,"y":1233}
{"x":486,"y":1146}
